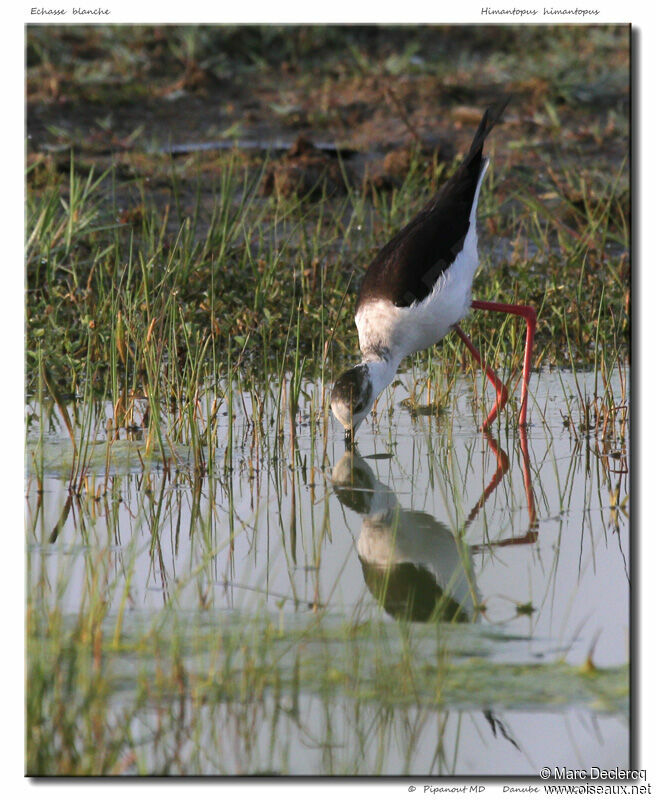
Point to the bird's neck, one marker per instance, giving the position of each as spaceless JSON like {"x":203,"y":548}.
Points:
{"x":382,"y":370}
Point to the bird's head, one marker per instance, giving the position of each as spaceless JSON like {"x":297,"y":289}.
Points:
{"x":353,"y":397}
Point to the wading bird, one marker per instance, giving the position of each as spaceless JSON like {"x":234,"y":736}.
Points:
{"x":419,"y":287}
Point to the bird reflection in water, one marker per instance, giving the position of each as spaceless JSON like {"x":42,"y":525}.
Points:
{"x":415,"y":566}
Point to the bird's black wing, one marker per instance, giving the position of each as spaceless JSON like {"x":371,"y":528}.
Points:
{"x":407,"y":267}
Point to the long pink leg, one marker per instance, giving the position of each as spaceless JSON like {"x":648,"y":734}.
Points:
{"x":502,"y":390}
{"x":528,"y":312}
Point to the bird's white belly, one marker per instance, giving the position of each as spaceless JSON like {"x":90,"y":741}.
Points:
{"x":402,"y":331}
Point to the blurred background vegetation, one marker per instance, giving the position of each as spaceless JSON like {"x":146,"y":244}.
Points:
{"x":251,"y":173}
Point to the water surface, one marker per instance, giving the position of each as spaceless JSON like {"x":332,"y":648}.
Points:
{"x":500,"y":560}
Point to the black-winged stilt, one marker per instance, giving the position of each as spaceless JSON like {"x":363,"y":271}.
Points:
{"x":419,"y":287}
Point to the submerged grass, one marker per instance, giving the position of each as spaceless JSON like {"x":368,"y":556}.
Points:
{"x":114,"y":689}
{"x":89,"y":696}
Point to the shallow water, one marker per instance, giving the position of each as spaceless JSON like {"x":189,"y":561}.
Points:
{"x":510,"y":551}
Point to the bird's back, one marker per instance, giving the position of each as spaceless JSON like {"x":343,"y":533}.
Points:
{"x":406,"y":269}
